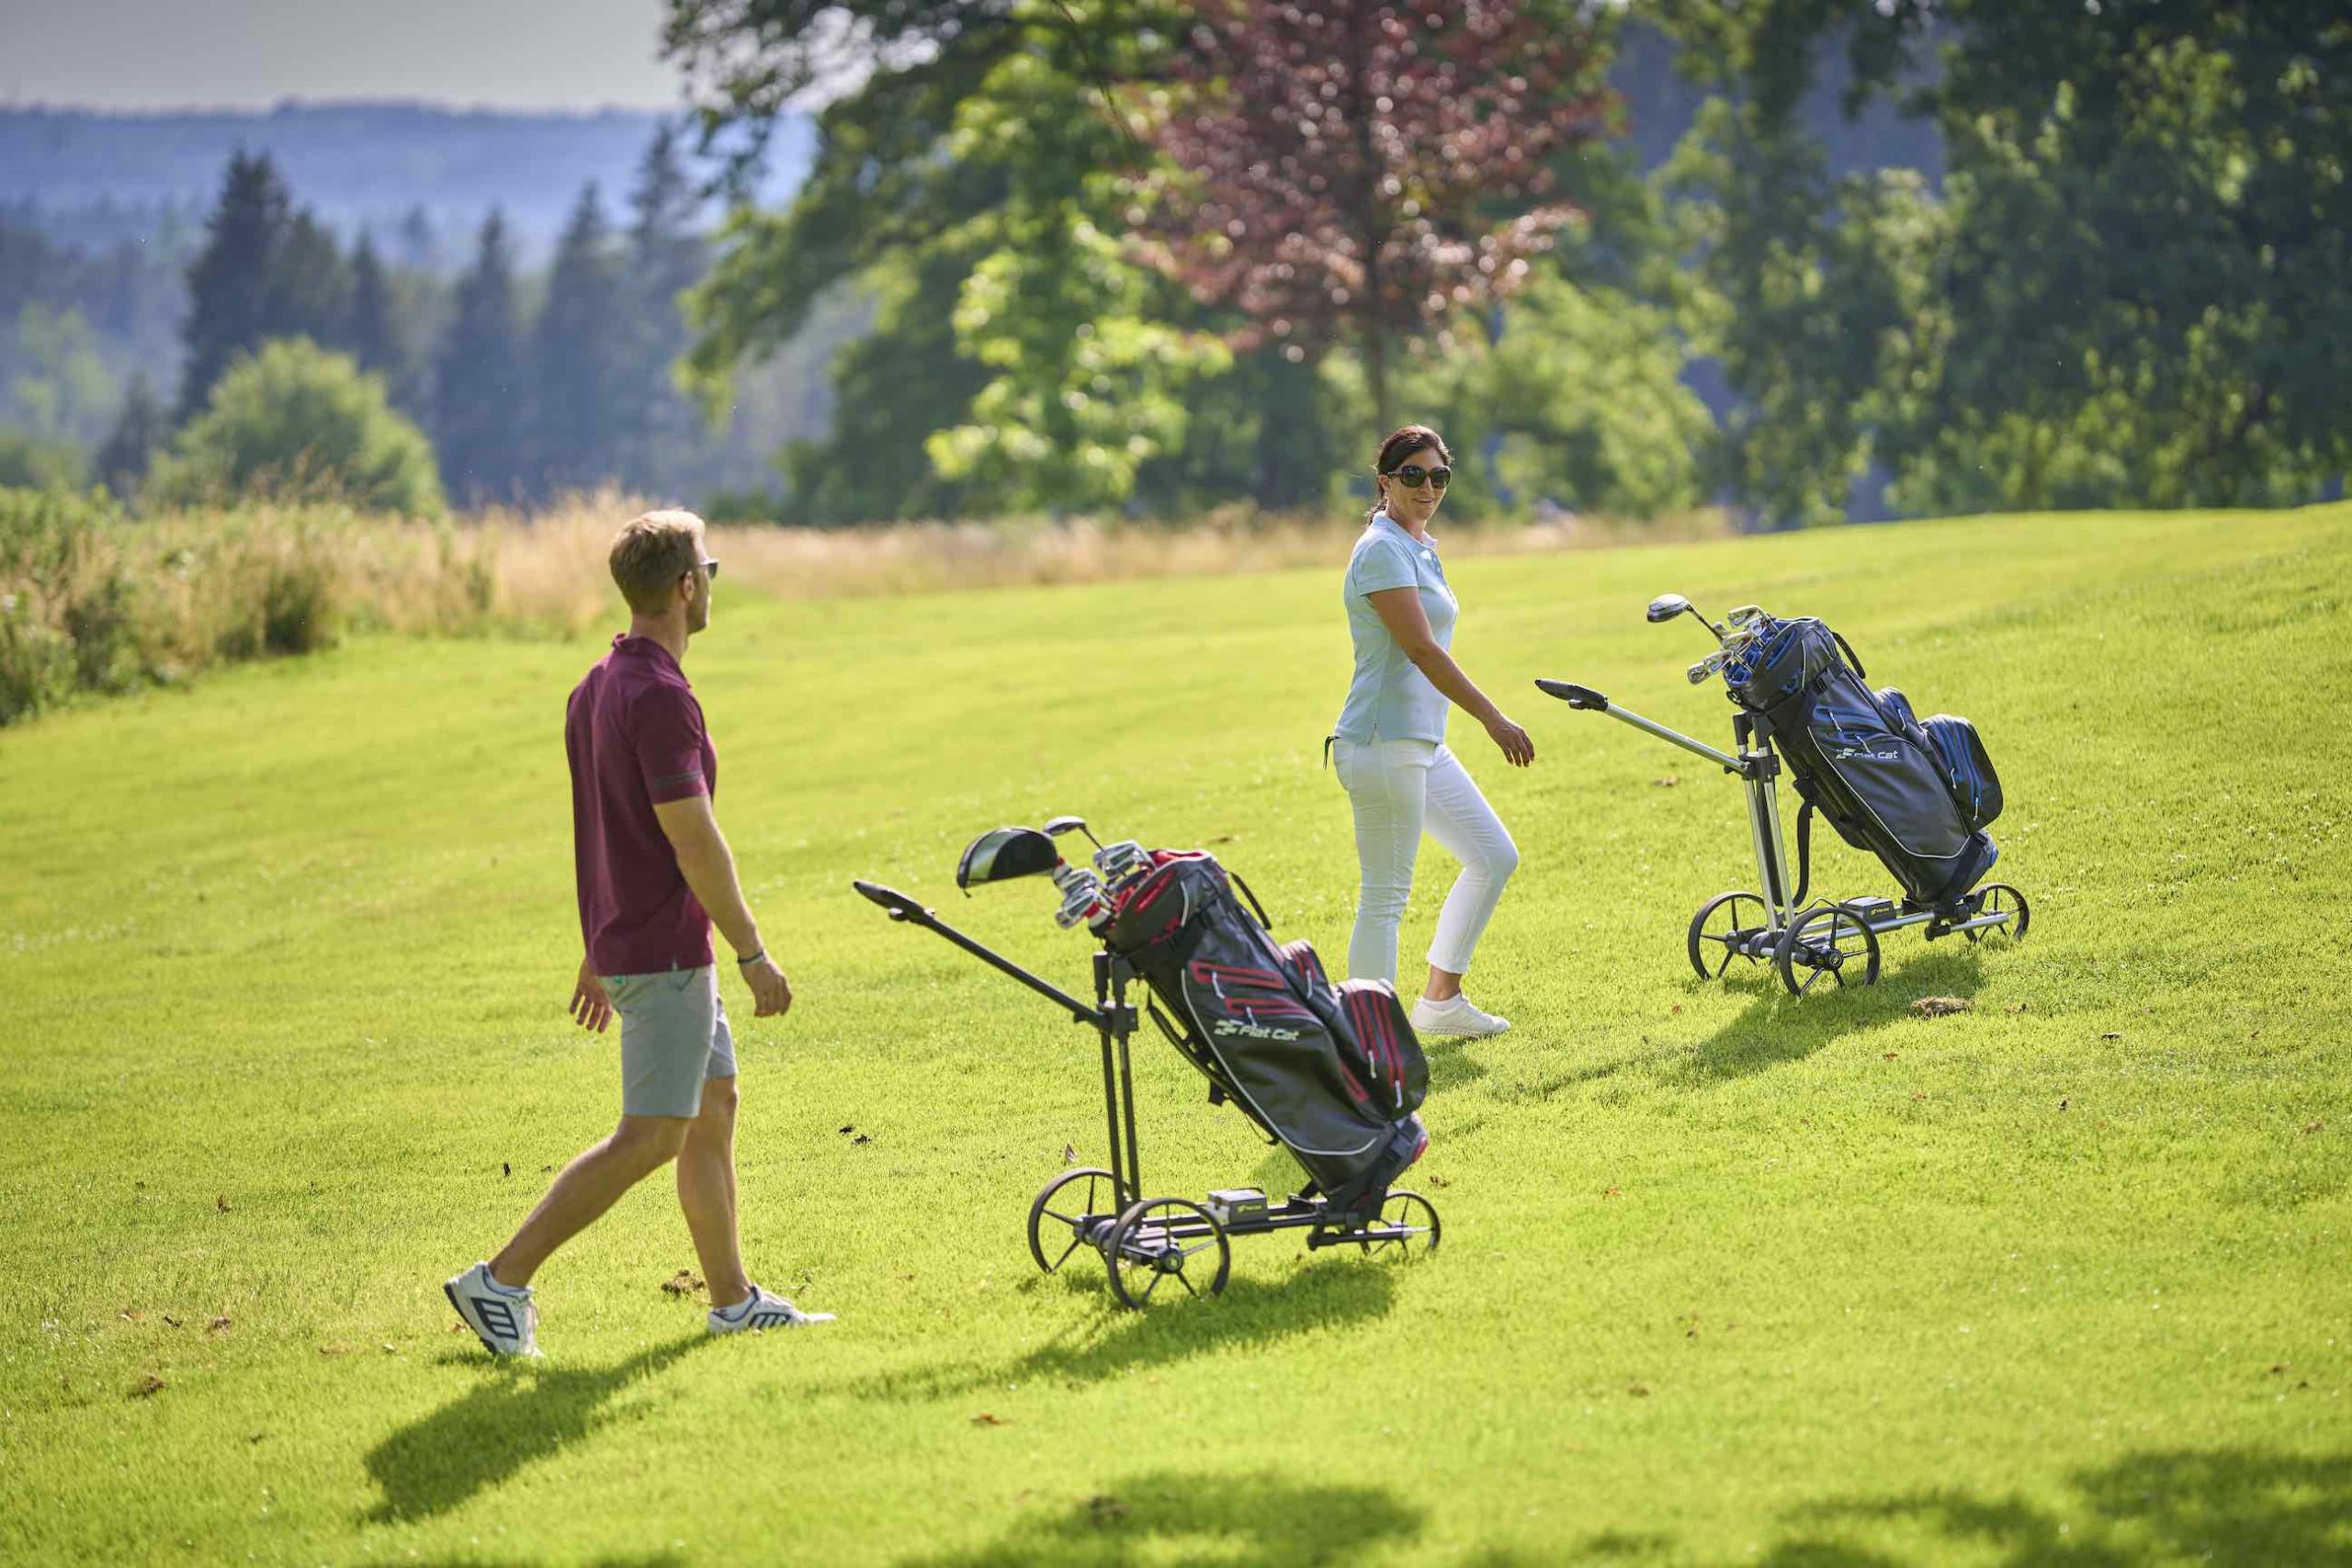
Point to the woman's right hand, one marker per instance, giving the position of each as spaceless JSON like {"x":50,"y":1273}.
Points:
{"x":1518,"y":749}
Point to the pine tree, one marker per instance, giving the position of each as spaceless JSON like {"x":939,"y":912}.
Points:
{"x":576,"y":357}
{"x":667,"y":256}
{"x":420,"y":247}
{"x":231,"y":281}
{"x":139,"y":430}
{"x":374,"y":333}
{"x":479,"y":382}
{"x":310,"y":286}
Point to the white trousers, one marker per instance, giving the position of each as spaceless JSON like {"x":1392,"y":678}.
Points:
{"x":1399,"y":788}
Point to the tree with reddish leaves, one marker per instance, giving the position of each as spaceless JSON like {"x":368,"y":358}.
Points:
{"x":1356,"y":169}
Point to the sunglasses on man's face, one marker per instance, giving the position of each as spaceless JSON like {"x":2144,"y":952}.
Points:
{"x":711,"y":568}
{"x":1413,"y":476}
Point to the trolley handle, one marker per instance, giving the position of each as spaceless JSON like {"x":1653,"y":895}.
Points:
{"x":901,"y":907}
{"x":1576,"y":696}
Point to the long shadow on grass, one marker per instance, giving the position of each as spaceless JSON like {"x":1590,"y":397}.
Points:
{"x":1205,"y":1516}
{"x":1776,"y":1028}
{"x":1251,"y":1314}
{"x":2215,"y":1505}
{"x":516,"y":1415}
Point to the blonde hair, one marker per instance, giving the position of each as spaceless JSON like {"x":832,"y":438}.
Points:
{"x":651,"y":553}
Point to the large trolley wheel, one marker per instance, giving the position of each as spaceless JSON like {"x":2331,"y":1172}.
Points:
{"x":1719,"y":933}
{"x":1159,"y":1239}
{"x":1406,"y":1227}
{"x":1831,"y":940}
{"x":1099,"y":1197}
{"x":2000,"y":899}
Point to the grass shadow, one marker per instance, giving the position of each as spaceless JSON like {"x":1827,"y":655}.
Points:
{"x":1250,"y":1315}
{"x":516,"y":1415}
{"x":1775,"y":1028}
{"x":1168,"y":1517}
{"x":2215,"y":1505}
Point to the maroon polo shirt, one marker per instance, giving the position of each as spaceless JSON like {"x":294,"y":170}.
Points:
{"x":634,"y":733}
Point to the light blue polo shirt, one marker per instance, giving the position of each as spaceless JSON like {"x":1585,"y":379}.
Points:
{"x":1388,"y":698}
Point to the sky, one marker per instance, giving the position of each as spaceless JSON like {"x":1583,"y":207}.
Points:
{"x":251,"y":54}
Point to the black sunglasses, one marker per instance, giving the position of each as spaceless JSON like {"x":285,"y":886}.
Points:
{"x":1414,"y":476}
{"x":711,"y":567}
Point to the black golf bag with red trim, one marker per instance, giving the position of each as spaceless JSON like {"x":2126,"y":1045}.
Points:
{"x":1333,"y":1073}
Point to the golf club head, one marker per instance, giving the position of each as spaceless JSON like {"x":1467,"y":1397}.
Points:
{"x":1665,"y":606}
{"x":1057,"y":826}
{"x":1705,"y":667}
{"x":1745,"y":613}
{"x":1002,"y":854}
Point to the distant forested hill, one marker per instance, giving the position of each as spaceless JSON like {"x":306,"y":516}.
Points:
{"x":86,"y":178}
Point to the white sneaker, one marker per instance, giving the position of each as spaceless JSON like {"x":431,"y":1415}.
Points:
{"x":763,"y":1309}
{"x":1456,"y":1015}
{"x":502,"y":1317}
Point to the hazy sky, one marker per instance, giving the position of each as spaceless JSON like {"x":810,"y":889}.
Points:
{"x":252,"y":53}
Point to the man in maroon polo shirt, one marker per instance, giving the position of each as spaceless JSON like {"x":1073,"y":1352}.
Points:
{"x":654,"y":874}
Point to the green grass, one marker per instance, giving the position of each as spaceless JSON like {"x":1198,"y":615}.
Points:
{"x":1726,"y":1278}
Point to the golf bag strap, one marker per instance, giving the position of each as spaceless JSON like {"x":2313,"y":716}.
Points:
{"x":1804,"y":855}
{"x":1848,"y":649}
{"x":1256,"y":908}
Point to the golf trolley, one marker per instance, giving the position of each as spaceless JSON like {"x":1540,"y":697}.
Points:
{"x":1146,"y":1241}
{"x":1775,"y":925}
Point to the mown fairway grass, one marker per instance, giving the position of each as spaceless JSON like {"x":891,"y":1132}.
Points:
{"x":1724,"y":1279}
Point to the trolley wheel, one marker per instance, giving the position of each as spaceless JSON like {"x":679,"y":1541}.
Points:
{"x":1159,"y":1239}
{"x":1406,"y":1227}
{"x":1827,"y":940}
{"x":2000,"y":899}
{"x":1101,"y":1185}
{"x":1717,"y":926}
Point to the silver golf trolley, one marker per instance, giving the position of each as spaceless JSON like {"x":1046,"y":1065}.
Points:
{"x":1316,"y":1067}
{"x":1915,"y":793}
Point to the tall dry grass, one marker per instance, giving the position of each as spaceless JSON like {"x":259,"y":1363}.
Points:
{"x":550,"y":568}
{"x":96,"y":601}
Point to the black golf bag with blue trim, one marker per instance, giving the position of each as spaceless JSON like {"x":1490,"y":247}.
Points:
{"x":1331,"y":1072}
{"x":1917,"y":793}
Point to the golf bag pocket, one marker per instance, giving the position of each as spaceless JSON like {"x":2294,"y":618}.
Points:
{"x":1974,"y":785}
{"x":1388,"y":1052}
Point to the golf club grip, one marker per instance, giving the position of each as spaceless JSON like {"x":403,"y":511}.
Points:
{"x":1576,"y":696}
{"x":901,"y":907}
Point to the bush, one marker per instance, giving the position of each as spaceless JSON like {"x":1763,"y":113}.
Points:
{"x":36,"y":465}
{"x":67,"y":617}
{"x":296,"y":423}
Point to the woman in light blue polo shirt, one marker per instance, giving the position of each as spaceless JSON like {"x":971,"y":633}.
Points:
{"x":1389,"y":746}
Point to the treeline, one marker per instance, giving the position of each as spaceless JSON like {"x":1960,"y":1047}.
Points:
{"x":262,"y":355}
{"x":521,"y":400}
{"x":1146,"y":254}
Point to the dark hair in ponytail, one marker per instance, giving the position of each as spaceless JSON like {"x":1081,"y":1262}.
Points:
{"x":1406,"y":440}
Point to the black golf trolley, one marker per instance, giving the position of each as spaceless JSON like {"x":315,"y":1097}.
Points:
{"x":1802,"y":940}
{"x":1146,"y":1241}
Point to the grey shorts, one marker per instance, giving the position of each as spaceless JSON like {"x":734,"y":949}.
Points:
{"x":673,"y":1039}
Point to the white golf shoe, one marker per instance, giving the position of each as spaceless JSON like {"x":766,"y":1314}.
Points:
{"x":760,"y":1310}
{"x":1457,"y":1017}
{"x":502,"y":1317}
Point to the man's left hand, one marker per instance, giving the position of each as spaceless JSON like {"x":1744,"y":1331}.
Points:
{"x":590,"y":1008}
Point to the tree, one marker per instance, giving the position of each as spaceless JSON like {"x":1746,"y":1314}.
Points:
{"x":667,"y":256}
{"x":229,"y":284}
{"x":140,"y":429}
{"x":372,"y":332}
{"x":295,"y":420}
{"x":479,"y":386}
{"x":577,"y":357}
{"x":265,"y":271}
{"x":2134,"y":288}
{"x":1360,"y":169}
